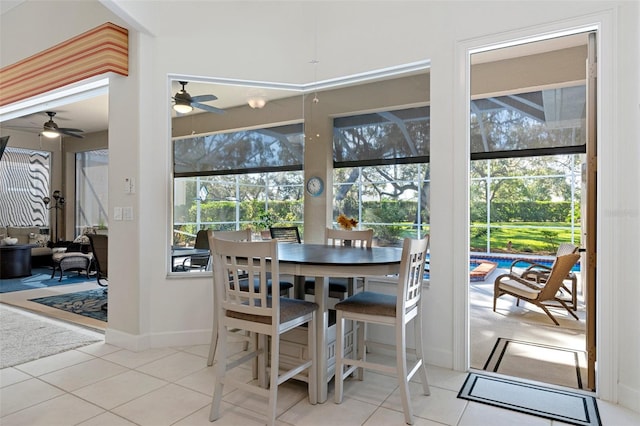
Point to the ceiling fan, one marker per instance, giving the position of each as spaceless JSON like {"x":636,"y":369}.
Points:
{"x":51,"y":129}
{"x":184,"y":102}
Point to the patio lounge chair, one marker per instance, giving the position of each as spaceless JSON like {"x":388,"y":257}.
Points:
{"x":539,"y":272}
{"x":540,"y":294}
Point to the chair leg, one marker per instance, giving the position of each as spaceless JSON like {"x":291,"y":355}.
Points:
{"x":339,"y":375}
{"x":312,"y":373}
{"x":214,"y":340}
{"x":544,"y":308}
{"x":422,"y":370}
{"x":262,"y":342}
{"x":273,"y":389}
{"x":220,"y":371}
{"x":564,"y":304}
{"x":401,"y":368}
{"x":360,"y":349}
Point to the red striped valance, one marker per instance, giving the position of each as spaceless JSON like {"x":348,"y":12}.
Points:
{"x":97,"y":51}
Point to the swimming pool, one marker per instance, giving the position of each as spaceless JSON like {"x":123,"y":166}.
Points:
{"x":504,"y":262}
{"x":479,"y":273}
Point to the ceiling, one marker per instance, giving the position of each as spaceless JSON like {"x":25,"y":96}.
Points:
{"x":92,"y":113}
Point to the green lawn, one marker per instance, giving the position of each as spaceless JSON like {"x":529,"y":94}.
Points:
{"x":525,"y":237}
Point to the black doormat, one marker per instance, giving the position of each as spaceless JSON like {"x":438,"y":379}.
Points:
{"x":550,"y":403}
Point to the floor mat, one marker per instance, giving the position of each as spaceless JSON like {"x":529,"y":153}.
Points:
{"x":555,"y":404}
{"x":27,"y":337}
{"x":41,"y":278}
{"x":90,"y":303}
{"x":543,"y":363}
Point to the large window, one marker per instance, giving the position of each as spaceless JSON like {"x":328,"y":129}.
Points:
{"x":393,"y":200}
{"x":381,"y":172}
{"x":230,"y":202}
{"x":525,"y":205}
{"x":234,"y":180}
{"x":92,"y":190}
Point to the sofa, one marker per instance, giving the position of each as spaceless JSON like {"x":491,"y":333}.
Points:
{"x":30,"y":235}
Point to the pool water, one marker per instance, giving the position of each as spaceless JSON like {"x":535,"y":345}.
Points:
{"x":503,"y":263}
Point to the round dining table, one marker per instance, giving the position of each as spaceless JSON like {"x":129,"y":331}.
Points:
{"x":324,"y":261}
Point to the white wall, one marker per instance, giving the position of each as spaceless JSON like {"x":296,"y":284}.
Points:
{"x":274,"y":42}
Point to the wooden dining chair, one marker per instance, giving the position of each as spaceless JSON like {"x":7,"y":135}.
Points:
{"x":252,"y":308}
{"x":244,"y":235}
{"x":285,"y":289}
{"x":339,"y":288}
{"x":389,"y":310}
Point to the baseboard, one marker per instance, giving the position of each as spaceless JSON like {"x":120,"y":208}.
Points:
{"x":121,"y":339}
{"x":140,"y":342}
{"x":629,"y":398}
{"x":180,"y":338}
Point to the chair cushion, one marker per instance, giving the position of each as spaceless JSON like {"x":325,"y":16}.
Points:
{"x":517,"y":288}
{"x":289,"y":310}
{"x":370,"y":303}
{"x":57,"y":257}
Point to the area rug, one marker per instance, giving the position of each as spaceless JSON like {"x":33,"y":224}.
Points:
{"x":41,"y":278}
{"x":544,"y":363}
{"x":565,"y":406}
{"x":27,"y":337}
{"x":90,"y":303}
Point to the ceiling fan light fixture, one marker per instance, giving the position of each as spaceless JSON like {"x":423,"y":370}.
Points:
{"x":50,"y":133}
{"x":182,"y":106}
{"x":50,"y":130}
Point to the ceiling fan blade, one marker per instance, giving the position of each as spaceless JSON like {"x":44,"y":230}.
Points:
{"x":207,"y":108}
{"x":67,"y":129}
{"x":203,"y":98}
{"x":68,"y":133}
{"x":21,"y":127}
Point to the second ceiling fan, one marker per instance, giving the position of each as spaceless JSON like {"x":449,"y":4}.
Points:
{"x":51,"y":130}
{"x":184,"y":102}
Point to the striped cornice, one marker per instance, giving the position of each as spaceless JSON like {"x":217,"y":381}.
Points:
{"x":97,"y":51}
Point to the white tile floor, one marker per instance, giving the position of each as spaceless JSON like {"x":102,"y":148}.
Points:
{"x":101,"y":384}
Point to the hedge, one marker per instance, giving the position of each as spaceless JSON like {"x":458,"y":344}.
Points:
{"x":524,"y":211}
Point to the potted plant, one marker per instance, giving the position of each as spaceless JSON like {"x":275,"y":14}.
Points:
{"x":265,"y":221}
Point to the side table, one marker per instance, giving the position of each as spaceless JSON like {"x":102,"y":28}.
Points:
{"x":15,"y":261}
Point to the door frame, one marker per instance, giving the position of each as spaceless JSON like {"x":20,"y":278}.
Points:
{"x":607,"y":342}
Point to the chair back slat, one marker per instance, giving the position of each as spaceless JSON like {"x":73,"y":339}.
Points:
{"x":355,"y":238}
{"x":414,"y":253}
{"x":244,"y":260}
{"x":559,"y":271}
